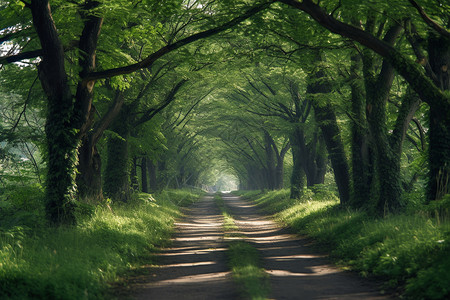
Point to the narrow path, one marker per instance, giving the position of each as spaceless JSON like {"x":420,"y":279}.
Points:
{"x":296,"y":272}
{"x":195,"y":266}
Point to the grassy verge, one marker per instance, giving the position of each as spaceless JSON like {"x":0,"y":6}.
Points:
{"x":243,"y":259}
{"x":409,"y":251}
{"x":79,"y":262}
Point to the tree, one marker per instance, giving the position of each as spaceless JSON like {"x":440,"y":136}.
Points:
{"x":68,"y":120}
{"x":415,"y":75}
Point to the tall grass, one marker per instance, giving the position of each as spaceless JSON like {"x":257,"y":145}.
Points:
{"x":410,"y":252}
{"x":79,"y":262}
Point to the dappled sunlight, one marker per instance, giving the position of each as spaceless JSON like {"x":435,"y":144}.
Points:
{"x":198,"y":278}
{"x":195,"y":261}
{"x":295,"y":270}
{"x":193,"y":264}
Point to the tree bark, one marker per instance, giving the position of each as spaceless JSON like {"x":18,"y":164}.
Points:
{"x":144,"y":180}
{"x":153,"y":183}
{"x":62,"y":141}
{"x":298,"y":174}
{"x":439,"y":134}
{"x":362,"y":168}
{"x":414,"y":74}
{"x":89,"y":175}
{"x":326,"y":118}
{"x":117,"y":171}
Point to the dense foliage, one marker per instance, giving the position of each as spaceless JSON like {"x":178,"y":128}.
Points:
{"x":80,"y":262}
{"x":101,"y":100}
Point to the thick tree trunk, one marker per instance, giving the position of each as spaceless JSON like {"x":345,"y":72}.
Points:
{"x":439,"y":134}
{"x":336,"y":151}
{"x":62,"y":159}
{"x":387,"y":158}
{"x":62,"y":141}
{"x":387,"y":161}
{"x":315,"y":161}
{"x":117,"y":170}
{"x":270,"y":161}
{"x":439,"y":155}
{"x":428,"y":89}
{"x":89,"y":177}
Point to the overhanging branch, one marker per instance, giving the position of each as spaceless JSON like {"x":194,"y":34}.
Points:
{"x":171,"y":47}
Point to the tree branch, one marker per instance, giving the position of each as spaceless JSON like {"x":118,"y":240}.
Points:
{"x":149,"y":114}
{"x":171,"y":47}
{"x":442,"y":31}
{"x":21,"y":56}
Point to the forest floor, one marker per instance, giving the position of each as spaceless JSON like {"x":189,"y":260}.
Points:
{"x":195,"y":267}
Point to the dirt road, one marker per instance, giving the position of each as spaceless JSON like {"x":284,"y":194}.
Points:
{"x":195,"y":267}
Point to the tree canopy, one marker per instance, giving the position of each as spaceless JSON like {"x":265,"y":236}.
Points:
{"x":103,"y":98}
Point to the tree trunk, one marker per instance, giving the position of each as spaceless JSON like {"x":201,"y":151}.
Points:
{"x":89,"y":179}
{"x":62,"y":140}
{"x":89,"y":176}
{"x":362,"y":169}
{"x":326,"y":119}
{"x":336,"y":151}
{"x":133,"y":175}
{"x":153,"y":183}
{"x":439,"y":134}
{"x":144,"y":180}
{"x":298,"y":174}
{"x":270,"y":160}
{"x":117,"y":170}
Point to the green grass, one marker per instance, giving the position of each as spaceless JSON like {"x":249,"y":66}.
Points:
{"x":229,"y":227}
{"x":243,"y":259}
{"x":80,"y":262}
{"x":410,"y":252}
{"x":244,"y":262}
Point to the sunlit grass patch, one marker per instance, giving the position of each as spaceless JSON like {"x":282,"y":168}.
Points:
{"x":411,"y":251}
{"x":243,"y":259}
{"x":229,"y":227}
{"x":244,"y":262}
{"x":79,"y":262}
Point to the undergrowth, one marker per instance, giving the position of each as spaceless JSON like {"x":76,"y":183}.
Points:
{"x":410,"y":252}
{"x":40,"y":262}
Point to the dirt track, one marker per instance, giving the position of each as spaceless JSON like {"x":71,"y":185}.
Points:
{"x":195,"y":266}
